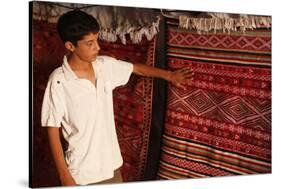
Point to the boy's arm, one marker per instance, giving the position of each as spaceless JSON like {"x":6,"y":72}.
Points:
{"x":178,"y":77}
{"x":57,"y":152}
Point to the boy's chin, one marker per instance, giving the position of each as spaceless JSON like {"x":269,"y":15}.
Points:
{"x":94,"y":57}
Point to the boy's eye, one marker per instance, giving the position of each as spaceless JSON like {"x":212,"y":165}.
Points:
{"x":89,"y":44}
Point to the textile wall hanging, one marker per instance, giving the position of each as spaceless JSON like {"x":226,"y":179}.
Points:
{"x":221,"y":125}
{"x":133,"y":107}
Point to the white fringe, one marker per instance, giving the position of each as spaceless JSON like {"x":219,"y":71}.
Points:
{"x":136,"y":34}
{"x":224,"y":23}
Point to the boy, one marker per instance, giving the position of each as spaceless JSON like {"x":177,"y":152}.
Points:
{"x":78,"y":98}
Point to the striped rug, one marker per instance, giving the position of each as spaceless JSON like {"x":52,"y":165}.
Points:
{"x":220,"y":125}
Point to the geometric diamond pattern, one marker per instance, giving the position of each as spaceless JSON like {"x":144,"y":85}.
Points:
{"x":199,"y":102}
{"x":218,"y":115}
{"x":237,"y":110}
{"x":262,"y":105}
{"x":220,"y":106}
{"x":258,"y":123}
{"x":218,"y":97}
{"x":268,"y":116}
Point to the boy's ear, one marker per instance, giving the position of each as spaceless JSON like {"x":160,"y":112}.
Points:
{"x":69,"y":46}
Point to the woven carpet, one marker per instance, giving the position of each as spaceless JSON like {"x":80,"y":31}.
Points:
{"x":221,"y":125}
{"x":133,"y":107}
{"x":132,"y":104}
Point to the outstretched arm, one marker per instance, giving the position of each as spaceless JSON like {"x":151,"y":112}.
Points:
{"x":178,"y":77}
{"x":57,"y":152}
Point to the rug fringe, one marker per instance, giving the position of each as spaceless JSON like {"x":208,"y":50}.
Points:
{"x":224,"y":23}
{"x":136,"y":34}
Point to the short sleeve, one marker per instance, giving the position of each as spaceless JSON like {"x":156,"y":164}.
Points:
{"x":121,"y":72}
{"x":52,"y":106}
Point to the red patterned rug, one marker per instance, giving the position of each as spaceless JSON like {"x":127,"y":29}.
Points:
{"x":48,"y":52}
{"x":132,"y":104}
{"x":221,"y":125}
{"x":133,"y":107}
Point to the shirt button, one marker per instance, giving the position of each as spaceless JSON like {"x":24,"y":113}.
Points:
{"x":58,"y":82}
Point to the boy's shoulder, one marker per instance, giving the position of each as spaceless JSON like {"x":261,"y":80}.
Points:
{"x":57,"y":75}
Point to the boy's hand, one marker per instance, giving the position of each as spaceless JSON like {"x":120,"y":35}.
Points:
{"x":181,"y":76}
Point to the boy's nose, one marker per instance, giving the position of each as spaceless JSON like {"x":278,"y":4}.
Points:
{"x":97,"y":47}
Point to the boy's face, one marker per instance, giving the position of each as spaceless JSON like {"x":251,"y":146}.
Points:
{"x":88,"y":48}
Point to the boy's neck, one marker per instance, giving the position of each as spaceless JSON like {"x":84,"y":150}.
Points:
{"x":77,"y":64}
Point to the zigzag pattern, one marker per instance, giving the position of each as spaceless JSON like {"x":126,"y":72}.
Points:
{"x":219,"y":41}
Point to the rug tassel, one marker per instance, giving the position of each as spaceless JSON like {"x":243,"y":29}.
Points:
{"x":224,"y":23}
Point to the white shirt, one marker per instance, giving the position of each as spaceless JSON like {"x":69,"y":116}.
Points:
{"x":85,"y":113}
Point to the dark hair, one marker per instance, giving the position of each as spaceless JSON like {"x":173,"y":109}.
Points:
{"x":73,"y":25}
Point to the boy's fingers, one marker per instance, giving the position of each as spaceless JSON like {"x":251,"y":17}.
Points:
{"x":187,"y":69}
{"x":181,"y":86}
{"x":188,"y":75}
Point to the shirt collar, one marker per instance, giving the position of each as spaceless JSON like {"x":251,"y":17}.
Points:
{"x":69,"y":74}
